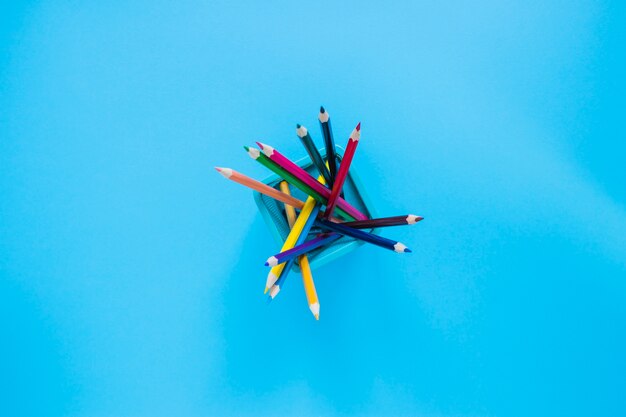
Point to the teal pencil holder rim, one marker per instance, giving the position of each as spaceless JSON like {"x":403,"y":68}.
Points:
{"x":335,"y":250}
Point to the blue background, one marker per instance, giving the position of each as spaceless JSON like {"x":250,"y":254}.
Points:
{"x":131,"y":274}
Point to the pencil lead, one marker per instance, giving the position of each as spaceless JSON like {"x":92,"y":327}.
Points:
{"x":266,"y":289}
{"x":297,"y":125}
{"x":400,"y":247}
{"x":260,"y":145}
{"x":412,"y":219}
{"x":218,"y":169}
{"x":271,"y":261}
{"x":246,"y":148}
{"x":358,"y":127}
{"x":323,"y":116}
{"x":301,"y":131}
{"x":407,"y":250}
{"x":315,"y":309}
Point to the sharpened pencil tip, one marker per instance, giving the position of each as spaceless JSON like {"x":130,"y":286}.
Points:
{"x":218,"y":169}
{"x":297,"y":126}
{"x":358,"y":127}
{"x":317,"y":317}
{"x":260,"y":144}
{"x":247,"y":148}
{"x":266,"y":290}
{"x":322,"y":110}
{"x":407,"y":250}
{"x":267,"y":264}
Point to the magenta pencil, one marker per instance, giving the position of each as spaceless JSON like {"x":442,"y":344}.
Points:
{"x":306,"y":247}
{"x":308,"y":180}
{"x":342,"y":174}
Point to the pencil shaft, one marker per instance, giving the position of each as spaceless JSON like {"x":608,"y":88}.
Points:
{"x":384,"y":222}
{"x":309,"y":286}
{"x":305,"y":247}
{"x":263,"y":188}
{"x":315,"y":156}
{"x":361,"y":235}
{"x":329,"y":143}
{"x":307,"y":276}
{"x":289,"y":210}
{"x":344,"y":168}
{"x":301,"y":237}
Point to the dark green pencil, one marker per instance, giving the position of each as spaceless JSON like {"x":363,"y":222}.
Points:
{"x":329,"y":142}
{"x":314,"y":154}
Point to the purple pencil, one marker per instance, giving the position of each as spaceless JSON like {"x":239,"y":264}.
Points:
{"x":287,"y":255}
{"x":307,"y":179}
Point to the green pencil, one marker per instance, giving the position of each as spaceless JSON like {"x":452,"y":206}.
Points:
{"x":260,"y":157}
{"x":314,"y":154}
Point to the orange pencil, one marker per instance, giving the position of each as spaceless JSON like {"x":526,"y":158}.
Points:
{"x":260,"y":187}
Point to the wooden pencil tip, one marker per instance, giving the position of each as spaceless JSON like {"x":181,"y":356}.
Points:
{"x":260,"y":144}
{"x":247,"y":148}
{"x":266,"y":290}
{"x":407,"y":250}
{"x":317,"y":317}
{"x":358,"y":127}
{"x":297,"y":125}
{"x":322,"y":110}
{"x":218,"y":169}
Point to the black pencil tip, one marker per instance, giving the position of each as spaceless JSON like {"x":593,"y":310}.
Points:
{"x":297,"y":126}
{"x":322,"y":109}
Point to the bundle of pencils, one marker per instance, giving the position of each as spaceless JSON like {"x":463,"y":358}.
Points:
{"x":325,"y":217}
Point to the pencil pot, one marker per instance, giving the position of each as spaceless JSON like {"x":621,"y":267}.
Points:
{"x":273,"y":212}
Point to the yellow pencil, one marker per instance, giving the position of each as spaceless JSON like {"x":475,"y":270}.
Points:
{"x":291,"y":212}
{"x":309,"y":286}
{"x":309,"y":204}
{"x":307,"y":277}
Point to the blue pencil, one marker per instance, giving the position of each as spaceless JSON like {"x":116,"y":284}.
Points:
{"x":361,"y":235}
{"x":306,"y":247}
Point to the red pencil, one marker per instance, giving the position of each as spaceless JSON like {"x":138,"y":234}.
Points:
{"x":344,"y":167}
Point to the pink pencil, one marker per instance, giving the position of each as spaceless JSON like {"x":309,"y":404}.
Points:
{"x":307,"y":179}
{"x":342,"y":174}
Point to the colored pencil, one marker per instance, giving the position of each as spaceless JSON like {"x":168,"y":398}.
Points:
{"x":344,"y":167}
{"x":282,"y":276}
{"x":304,"y":176}
{"x":314,"y":154}
{"x":261,"y":158}
{"x":289,"y":209}
{"x":384,"y":222}
{"x":309,"y":206}
{"x":361,"y":235}
{"x":305,"y":247}
{"x":242,"y":179}
{"x":329,"y":143}
{"x":305,"y":268}
{"x":309,"y":287}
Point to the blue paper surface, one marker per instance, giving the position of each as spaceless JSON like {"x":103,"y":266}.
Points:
{"x":131,"y":273}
